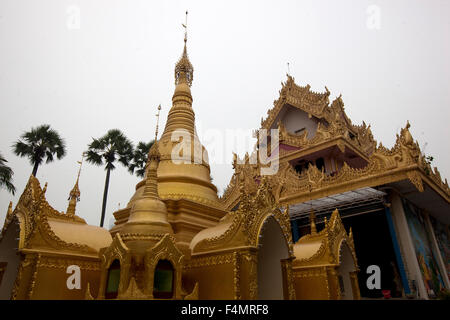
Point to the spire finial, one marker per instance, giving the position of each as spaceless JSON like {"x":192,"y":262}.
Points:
{"x":288,"y":69}
{"x":157,"y":123}
{"x":74,"y":194}
{"x":9,"y":208}
{"x":184,"y":71}
{"x":185,"y":28}
{"x":81,"y":164}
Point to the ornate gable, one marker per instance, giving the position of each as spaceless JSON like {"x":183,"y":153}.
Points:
{"x":327,"y":245}
{"x":36,"y":217}
{"x":243,"y":226}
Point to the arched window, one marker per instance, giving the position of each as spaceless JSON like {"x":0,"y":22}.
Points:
{"x":112,"y":284}
{"x":163,"y":280}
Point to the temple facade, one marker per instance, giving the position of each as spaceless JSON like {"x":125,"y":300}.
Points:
{"x":339,"y":204}
{"x":396,"y":204}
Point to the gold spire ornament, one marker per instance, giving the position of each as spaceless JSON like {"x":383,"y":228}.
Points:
{"x":184,"y":71}
{"x":157,"y":123}
{"x":74,"y":195}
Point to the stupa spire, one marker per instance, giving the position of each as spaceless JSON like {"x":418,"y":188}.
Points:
{"x":148,"y":215}
{"x":151,"y":183}
{"x":181,"y":116}
{"x":184,"y":71}
{"x":157,"y":123}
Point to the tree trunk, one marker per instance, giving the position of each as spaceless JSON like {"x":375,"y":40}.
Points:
{"x":35,"y":168}
{"x":105,"y":196}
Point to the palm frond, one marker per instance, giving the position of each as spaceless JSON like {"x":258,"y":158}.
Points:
{"x":6,"y":174}
{"x":39,"y":143}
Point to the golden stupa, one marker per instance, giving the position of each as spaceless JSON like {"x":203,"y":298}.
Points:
{"x":184,"y":185}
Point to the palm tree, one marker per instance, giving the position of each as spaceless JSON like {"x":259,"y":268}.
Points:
{"x":6,"y":174}
{"x":113,"y":146}
{"x":39,"y":143}
{"x":140,"y":156}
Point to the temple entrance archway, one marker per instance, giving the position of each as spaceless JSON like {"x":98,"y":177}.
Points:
{"x":346,"y":268}
{"x":272,"y":249}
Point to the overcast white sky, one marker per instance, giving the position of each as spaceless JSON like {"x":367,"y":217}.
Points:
{"x":115,"y":69}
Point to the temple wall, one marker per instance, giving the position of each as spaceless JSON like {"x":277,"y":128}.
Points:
{"x":51,"y":284}
{"x":215,"y":275}
{"x":313,"y":284}
{"x":45,"y":278}
{"x":10,"y":259}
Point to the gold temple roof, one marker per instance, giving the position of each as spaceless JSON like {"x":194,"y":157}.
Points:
{"x":84,"y":234}
{"x":42,"y":228}
{"x":403,"y":162}
{"x":307,"y":250}
{"x":324,"y":247}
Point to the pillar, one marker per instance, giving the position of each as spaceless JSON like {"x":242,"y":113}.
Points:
{"x":398,"y":255}
{"x":407,"y":245}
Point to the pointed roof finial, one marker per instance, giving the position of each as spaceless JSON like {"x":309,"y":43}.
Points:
{"x":10,"y":210}
{"x":74,"y":194}
{"x":185,"y":28}
{"x":184,"y":71}
{"x":288,"y":70}
{"x":157,"y":123}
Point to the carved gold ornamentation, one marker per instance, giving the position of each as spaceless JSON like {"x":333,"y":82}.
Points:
{"x":246,"y":222}
{"x":63,"y":263}
{"x":194,"y":294}
{"x":252,"y":260}
{"x":133,"y":292}
{"x":88,"y":295}
{"x":403,"y":161}
{"x":209,"y":261}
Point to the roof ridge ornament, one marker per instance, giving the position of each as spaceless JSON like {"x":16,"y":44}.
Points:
{"x":74,"y":195}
